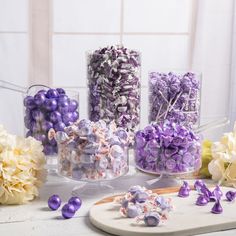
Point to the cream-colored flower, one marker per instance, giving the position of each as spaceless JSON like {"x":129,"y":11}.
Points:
{"x":229,"y":141}
{"x":21,"y":168}
{"x":216,"y":168}
{"x":216,"y":148}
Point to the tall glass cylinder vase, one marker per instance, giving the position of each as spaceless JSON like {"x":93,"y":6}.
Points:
{"x":114,"y":86}
{"x":47,"y":108}
{"x":175,"y":97}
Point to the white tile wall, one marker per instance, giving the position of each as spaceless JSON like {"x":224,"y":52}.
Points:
{"x":69,"y":57}
{"x":14,"y":58}
{"x":86,"y":15}
{"x":156,"y":15}
{"x":11,"y":113}
{"x":215,"y":92}
{"x":13,"y":15}
{"x":159,"y":53}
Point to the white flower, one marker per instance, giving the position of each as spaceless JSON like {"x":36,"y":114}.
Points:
{"x":216,"y":169}
{"x":21,"y":168}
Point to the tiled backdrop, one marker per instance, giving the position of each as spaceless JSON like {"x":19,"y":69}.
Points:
{"x":159,"y":29}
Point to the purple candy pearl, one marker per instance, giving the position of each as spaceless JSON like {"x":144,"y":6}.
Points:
{"x":52,"y":93}
{"x":55,"y":116}
{"x":67,"y":118}
{"x":54,"y":202}
{"x":46,"y":125}
{"x":68,"y":211}
{"x":50,"y":104}
{"x":29,"y":102}
{"x":76,"y":202}
{"x":60,"y":126}
{"x":39,"y":99}
{"x":61,"y":91}
{"x":73,"y":105}
{"x":75,"y":116}
{"x":37,"y":115}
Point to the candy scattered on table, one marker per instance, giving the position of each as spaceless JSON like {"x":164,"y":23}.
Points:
{"x":206,"y":195}
{"x":92,"y":151}
{"x":174,"y":97}
{"x":76,"y":202}
{"x":144,"y":205}
{"x":68,"y":211}
{"x":167,"y":148}
{"x":184,"y":190}
{"x":202,"y":200}
{"x":48,"y":109}
{"x":54,"y":202}
{"x":114,"y":86}
{"x":230,"y":196}
{"x":217,"y":208}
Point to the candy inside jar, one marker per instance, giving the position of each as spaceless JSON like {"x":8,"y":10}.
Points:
{"x":175,"y":97}
{"x":92,"y":151}
{"x":114,"y":86}
{"x":167,"y":148}
{"x":47,"y":108}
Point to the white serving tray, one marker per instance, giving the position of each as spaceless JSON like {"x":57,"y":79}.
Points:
{"x":186,"y":219}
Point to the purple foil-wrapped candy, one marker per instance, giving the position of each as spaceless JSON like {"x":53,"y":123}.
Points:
{"x":198,"y":184}
{"x":217,"y":208}
{"x":217,"y":193}
{"x":202,"y":200}
{"x":230,"y":196}
{"x":164,"y":148}
{"x":183,"y":192}
{"x":114,"y":86}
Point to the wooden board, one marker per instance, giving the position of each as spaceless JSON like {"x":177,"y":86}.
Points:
{"x":186,"y":219}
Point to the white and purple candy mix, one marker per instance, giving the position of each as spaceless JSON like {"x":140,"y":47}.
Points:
{"x":144,"y":205}
{"x":51,"y":108}
{"x":114,"y":86}
{"x":92,"y":151}
{"x":167,"y":148}
{"x":174,"y":97}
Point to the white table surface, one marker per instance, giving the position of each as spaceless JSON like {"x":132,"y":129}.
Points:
{"x":36,"y":219}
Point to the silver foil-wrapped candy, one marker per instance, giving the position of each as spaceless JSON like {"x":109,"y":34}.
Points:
{"x":114,"y":86}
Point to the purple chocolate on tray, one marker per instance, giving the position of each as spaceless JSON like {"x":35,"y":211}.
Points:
{"x":174,"y":97}
{"x":114,"y":86}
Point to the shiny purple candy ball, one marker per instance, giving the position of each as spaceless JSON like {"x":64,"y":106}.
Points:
{"x":50,"y":104}
{"x":52,"y":93}
{"x":68,"y":211}
{"x":54,"y":202}
{"x":76,"y":202}
{"x":39,"y":99}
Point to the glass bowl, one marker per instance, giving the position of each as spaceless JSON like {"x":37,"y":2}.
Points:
{"x":46,"y":108}
{"x":167,"y":149}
